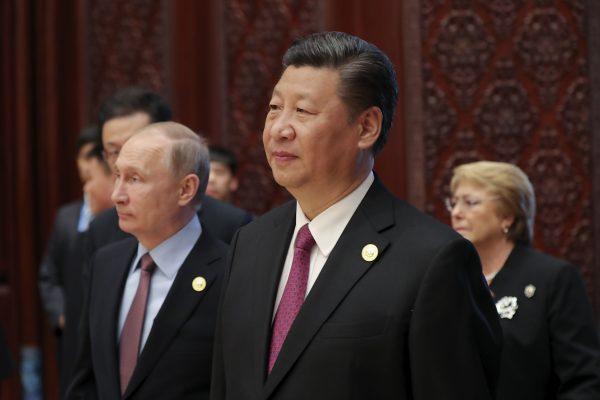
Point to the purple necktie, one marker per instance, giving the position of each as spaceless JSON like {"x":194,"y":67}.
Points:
{"x":293,"y":294}
{"x":129,"y":346}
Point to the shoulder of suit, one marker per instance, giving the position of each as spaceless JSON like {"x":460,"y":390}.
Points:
{"x":540,"y":264}
{"x":418,"y":224}
{"x":73,"y":207}
{"x":217,"y":244}
{"x":278,"y":214}
{"x":211,"y":205}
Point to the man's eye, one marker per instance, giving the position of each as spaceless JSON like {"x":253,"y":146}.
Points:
{"x":274,"y":107}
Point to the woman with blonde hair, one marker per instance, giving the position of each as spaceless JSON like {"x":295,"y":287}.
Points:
{"x":551,"y":348}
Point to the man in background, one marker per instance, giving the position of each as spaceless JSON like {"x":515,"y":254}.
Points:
{"x":148,"y":323}
{"x":223,"y":181}
{"x":99,"y":185}
{"x":60,"y":273}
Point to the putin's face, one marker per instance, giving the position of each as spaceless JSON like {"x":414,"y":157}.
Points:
{"x":310,"y":141}
{"x":146,"y":192}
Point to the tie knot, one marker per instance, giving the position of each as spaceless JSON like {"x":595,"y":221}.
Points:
{"x":147,"y":263}
{"x":304,"y":240}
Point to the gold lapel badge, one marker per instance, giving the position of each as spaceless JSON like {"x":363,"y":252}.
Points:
{"x":370,"y":252}
{"x":199,"y":284}
{"x":529,"y":291}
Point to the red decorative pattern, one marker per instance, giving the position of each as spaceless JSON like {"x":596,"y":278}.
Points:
{"x":505,"y":119}
{"x":547,"y":48}
{"x":462,"y":49}
{"x":503,"y":13}
{"x":519,"y":93}
{"x":127,"y":45}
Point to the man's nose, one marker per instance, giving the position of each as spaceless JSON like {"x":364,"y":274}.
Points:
{"x":282,"y":127}
{"x":118,"y":195}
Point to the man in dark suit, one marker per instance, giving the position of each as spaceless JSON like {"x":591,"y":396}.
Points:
{"x":60,"y":273}
{"x":348,"y":292}
{"x":120,"y":117}
{"x":149,"y":319}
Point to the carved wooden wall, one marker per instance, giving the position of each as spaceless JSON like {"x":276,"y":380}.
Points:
{"x":126,"y":44}
{"x":509,"y":81}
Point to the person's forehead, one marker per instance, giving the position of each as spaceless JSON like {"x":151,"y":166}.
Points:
{"x":146,"y":151}
{"x":214,"y":164}
{"x":467,"y":186}
{"x":121,"y":128}
{"x":304,"y":81}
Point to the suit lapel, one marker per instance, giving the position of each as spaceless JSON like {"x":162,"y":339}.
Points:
{"x":344,"y":267}
{"x":179,"y":304}
{"x":111,"y":299}
{"x":271,"y":251}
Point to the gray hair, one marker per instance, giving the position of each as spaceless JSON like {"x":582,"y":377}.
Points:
{"x":188,"y":153}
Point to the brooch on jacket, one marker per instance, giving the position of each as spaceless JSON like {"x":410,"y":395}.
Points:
{"x":507,"y":307}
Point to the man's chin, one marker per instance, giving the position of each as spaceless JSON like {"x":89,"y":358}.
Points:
{"x":125,"y":225}
{"x":285,"y":180}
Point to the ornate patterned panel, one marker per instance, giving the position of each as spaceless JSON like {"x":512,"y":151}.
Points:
{"x":257,"y":34}
{"x":505,"y":119}
{"x":503,"y":14}
{"x":127,"y":45}
{"x":462,"y":49}
{"x":547,"y":47}
{"x":508,"y":80}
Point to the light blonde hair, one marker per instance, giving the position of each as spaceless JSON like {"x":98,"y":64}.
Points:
{"x":188,"y":153}
{"x":514,"y":192}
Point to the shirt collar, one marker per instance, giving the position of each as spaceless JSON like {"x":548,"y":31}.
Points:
{"x":170,"y":254}
{"x":327,"y":227}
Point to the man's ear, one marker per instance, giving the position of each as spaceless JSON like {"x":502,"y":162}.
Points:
{"x":234,"y":184}
{"x":188,"y":188}
{"x":370,"y":122}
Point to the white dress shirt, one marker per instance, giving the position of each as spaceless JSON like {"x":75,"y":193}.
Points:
{"x":326,"y":228}
{"x":168,"y":257}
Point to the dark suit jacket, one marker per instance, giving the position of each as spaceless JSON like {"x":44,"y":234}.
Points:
{"x":60,"y":278}
{"x":416,"y":323}
{"x":175,"y":361}
{"x":551,"y":349}
{"x":59,"y":251}
{"x":218,"y":218}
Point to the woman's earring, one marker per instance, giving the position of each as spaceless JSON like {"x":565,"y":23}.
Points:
{"x":505,"y":230}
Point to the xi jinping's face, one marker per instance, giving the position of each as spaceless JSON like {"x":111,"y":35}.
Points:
{"x":310,"y":141}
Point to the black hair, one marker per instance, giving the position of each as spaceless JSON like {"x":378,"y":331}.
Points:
{"x":225,"y":156}
{"x":89,"y":134}
{"x":367,"y":76}
{"x":132,"y":100}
